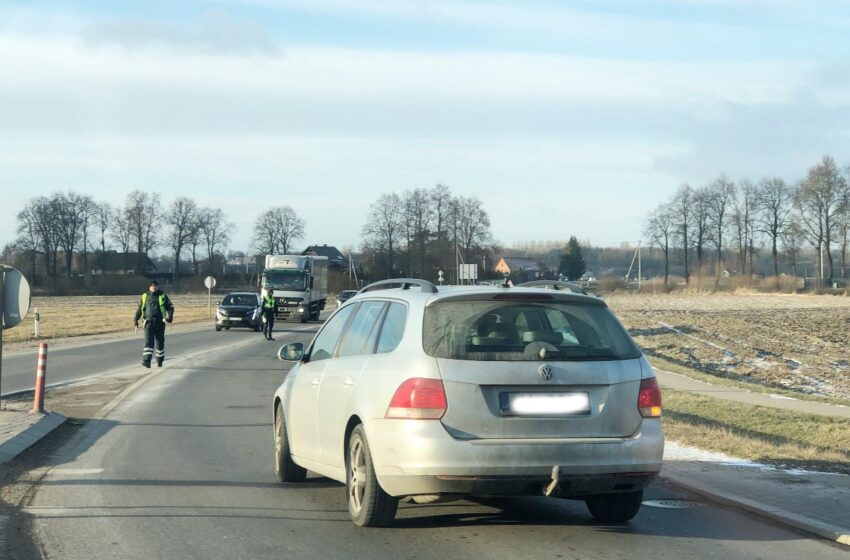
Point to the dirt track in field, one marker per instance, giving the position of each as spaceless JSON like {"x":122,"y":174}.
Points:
{"x":799,"y":342}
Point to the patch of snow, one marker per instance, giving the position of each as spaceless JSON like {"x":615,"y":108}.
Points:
{"x":674,"y":451}
{"x":781,"y":397}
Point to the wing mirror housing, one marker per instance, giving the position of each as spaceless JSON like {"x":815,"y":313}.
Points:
{"x":292,"y":352}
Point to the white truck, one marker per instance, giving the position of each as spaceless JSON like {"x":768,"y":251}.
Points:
{"x":300,"y":285}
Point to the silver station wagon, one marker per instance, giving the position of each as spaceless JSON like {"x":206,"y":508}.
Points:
{"x":415,"y":392}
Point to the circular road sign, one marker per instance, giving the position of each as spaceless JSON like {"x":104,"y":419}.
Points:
{"x":209,"y":282}
{"x":16,"y":297}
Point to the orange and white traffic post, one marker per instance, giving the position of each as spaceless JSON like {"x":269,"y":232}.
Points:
{"x":40,"y":372}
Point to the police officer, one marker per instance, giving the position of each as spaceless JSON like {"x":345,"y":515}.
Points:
{"x":269,"y":305}
{"x":156,"y":310}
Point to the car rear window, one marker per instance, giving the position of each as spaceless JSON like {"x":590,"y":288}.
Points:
{"x":525,"y":331}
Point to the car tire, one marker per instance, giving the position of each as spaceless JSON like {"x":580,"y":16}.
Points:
{"x":368,"y":504}
{"x":218,"y":328}
{"x":285,"y":469}
{"x":305,"y":317}
{"x":615,"y":508}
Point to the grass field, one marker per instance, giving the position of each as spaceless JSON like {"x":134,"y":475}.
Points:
{"x":762,"y":434}
{"x":795,"y":342}
{"x":78,"y":316}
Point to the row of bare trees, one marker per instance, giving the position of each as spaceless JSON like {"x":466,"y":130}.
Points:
{"x":421,"y":231}
{"x":75,"y":225}
{"x":743,"y":218}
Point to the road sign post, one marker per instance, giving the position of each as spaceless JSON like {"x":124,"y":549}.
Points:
{"x":210,"y":283}
{"x":14,"y":304}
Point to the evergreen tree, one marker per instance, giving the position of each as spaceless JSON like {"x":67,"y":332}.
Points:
{"x":572,"y":262}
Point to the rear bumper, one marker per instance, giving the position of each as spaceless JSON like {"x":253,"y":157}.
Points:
{"x":419,"y":457}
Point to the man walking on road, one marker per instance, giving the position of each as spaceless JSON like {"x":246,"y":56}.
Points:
{"x":156,"y":310}
{"x":269,"y":306}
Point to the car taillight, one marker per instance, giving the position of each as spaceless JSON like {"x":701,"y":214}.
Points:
{"x":418,"y":398}
{"x":649,"y":398}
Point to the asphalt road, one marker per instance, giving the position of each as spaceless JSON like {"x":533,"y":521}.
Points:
{"x":70,"y":361}
{"x":183,"y":469}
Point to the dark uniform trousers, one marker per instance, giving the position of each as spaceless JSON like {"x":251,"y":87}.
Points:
{"x":154,"y":336}
{"x":269,"y":326}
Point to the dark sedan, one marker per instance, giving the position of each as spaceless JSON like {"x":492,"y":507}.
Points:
{"x":345,"y":295}
{"x":239,"y":309}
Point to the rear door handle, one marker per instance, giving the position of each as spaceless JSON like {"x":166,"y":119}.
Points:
{"x":315,"y":383}
{"x":348,"y":382}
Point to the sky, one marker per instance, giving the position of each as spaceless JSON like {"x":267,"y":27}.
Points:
{"x":565,"y":118}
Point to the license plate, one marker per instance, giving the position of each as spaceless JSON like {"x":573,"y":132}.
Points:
{"x":544,"y":404}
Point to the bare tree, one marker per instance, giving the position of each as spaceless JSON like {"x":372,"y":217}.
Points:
{"x":721,"y":198}
{"x":276,"y":230}
{"x":471,"y":226}
{"x":682,"y":212}
{"x":743,"y":221}
{"x":102,"y":218}
{"x":384,"y":229}
{"x":143,"y":213}
{"x":182,"y":218}
{"x":701,"y":221}
{"x":418,"y":216}
{"x":660,"y":228}
{"x":441,"y":203}
{"x":819,"y":202}
{"x":774,"y":200}
{"x":122,"y":235}
{"x":29,"y":239}
{"x":215,"y":232}
{"x":44,"y":215}
{"x":72,"y":214}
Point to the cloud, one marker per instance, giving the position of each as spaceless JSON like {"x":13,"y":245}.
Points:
{"x":214,"y":32}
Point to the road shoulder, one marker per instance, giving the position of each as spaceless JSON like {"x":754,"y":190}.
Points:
{"x":813,"y":502}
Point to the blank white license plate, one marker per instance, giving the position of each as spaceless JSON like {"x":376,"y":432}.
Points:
{"x":544,"y":404}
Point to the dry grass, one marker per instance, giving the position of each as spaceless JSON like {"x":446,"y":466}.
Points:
{"x":795,"y":342}
{"x":762,"y":434}
{"x":78,"y":316}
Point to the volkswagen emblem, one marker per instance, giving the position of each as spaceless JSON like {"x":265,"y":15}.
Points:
{"x":545,"y":372}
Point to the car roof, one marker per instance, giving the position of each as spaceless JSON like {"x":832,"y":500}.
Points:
{"x":241,"y":294}
{"x":425,"y":297}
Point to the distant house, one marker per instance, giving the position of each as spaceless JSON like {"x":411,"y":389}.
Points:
{"x":114,"y":262}
{"x":524,"y":267}
{"x":335,"y":258}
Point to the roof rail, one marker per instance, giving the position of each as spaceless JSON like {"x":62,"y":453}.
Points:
{"x":553,"y":285}
{"x":402,"y":284}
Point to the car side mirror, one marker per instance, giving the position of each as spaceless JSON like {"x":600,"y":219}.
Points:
{"x":292,"y":352}
{"x":218,"y":302}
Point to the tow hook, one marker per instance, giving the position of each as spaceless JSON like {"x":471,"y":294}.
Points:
{"x":553,"y":487}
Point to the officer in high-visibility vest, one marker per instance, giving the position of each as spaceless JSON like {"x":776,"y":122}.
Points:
{"x":156,"y":310}
{"x":269,"y":306}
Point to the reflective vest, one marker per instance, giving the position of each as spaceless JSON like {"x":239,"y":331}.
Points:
{"x":269,"y":302}
{"x":161,"y":304}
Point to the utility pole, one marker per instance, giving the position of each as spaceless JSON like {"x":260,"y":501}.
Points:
{"x":639,"y":270}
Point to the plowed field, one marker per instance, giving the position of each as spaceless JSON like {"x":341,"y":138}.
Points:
{"x":798,"y":342}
